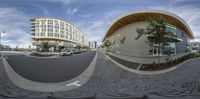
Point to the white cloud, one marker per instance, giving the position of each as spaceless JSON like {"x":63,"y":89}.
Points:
{"x":72,"y":11}
{"x":85,"y":16}
{"x":16,"y":25}
{"x":97,"y":26}
{"x":190,"y":12}
{"x":62,"y":1}
{"x":46,"y":12}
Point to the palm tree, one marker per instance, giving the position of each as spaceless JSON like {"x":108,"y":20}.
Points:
{"x":156,"y":33}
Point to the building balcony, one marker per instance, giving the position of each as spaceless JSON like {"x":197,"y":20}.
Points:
{"x":32,"y":26}
{"x":33,"y":19}
{"x":32,"y":23}
{"x":33,"y":34}
{"x":32,"y":29}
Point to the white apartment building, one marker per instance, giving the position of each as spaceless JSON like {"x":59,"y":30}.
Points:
{"x":59,"y":34}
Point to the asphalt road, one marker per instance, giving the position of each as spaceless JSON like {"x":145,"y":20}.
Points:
{"x":111,"y":82}
{"x":50,"y":70}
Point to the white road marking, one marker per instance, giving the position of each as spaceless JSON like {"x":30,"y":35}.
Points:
{"x":74,"y":83}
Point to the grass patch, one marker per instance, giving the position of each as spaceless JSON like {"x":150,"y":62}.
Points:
{"x":42,"y":54}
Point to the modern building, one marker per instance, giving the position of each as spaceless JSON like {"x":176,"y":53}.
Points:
{"x":93,"y":45}
{"x":120,"y":37}
{"x":58,"y":34}
{"x":195,"y":47}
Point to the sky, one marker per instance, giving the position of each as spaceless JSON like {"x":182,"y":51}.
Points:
{"x":92,"y":17}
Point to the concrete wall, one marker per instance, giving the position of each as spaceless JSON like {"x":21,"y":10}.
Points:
{"x":131,"y":46}
{"x":141,"y":46}
{"x":138,"y":50}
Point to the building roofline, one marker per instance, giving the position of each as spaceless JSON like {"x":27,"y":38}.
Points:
{"x":113,"y":27}
{"x":61,"y":20}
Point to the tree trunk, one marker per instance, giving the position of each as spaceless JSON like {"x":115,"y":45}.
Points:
{"x":159,"y":54}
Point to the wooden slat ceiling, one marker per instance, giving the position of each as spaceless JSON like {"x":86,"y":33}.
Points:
{"x":147,"y":17}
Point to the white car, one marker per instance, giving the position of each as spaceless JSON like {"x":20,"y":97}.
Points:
{"x":66,"y":53}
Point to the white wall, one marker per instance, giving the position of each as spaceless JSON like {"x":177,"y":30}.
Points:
{"x":131,"y":46}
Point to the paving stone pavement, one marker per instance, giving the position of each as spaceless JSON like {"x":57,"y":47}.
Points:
{"x":110,"y":81}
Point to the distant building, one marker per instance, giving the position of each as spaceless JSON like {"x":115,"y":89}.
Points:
{"x":58,"y":34}
{"x":93,"y":45}
{"x":195,"y":47}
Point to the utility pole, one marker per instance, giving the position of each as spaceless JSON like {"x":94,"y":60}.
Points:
{"x":2,"y":32}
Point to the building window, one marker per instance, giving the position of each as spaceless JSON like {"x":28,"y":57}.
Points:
{"x":50,"y":30}
{"x":62,"y":28}
{"x":62,"y":32}
{"x":43,"y":30}
{"x":37,"y":22}
{"x":50,"y":34}
{"x":42,"y":34}
{"x":66,"y":25}
{"x":62,"y":36}
{"x":183,"y":34}
{"x":56,"y":35}
{"x":56,"y":27}
{"x":43,"y":21}
{"x":50,"y":26}
{"x":61,"y":24}
{"x":66,"y":37}
{"x":43,"y":26}
{"x":171,"y":30}
{"x":56,"y":30}
{"x":50,"y":21}
{"x":167,"y":50}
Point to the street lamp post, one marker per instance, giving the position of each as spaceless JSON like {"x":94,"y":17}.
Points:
{"x":0,"y":43}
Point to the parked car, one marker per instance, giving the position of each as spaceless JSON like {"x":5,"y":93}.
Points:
{"x":66,"y":53}
{"x":77,"y":51}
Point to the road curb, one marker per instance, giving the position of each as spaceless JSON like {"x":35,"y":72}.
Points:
{"x":50,"y":87}
{"x":149,"y":72}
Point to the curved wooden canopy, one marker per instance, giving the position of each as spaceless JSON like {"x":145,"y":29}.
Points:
{"x":149,"y":16}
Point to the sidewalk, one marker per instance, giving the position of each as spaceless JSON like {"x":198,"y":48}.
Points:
{"x":135,"y":67}
{"x":128,"y":64}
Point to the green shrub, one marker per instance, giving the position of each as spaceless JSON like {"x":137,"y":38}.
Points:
{"x":179,"y":60}
{"x":41,"y":54}
{"x":169,"y":62}
{"x":193,"y":55}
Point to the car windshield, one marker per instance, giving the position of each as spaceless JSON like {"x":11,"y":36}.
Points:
{"x":99,"y":49}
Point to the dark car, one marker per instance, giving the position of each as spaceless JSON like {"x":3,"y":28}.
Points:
{"x":77,"y":51}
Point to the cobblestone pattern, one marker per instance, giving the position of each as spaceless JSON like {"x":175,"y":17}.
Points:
{"x":110,"y":81}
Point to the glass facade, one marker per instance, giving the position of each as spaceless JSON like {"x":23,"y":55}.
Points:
{"x":171,"y":29}
{"x":169,"y":48}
